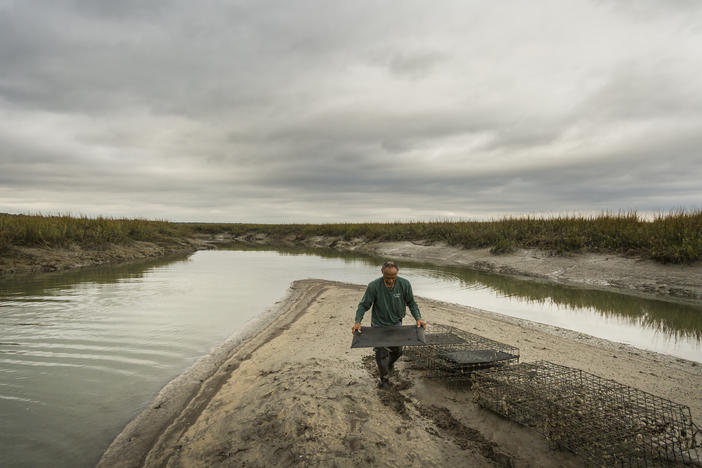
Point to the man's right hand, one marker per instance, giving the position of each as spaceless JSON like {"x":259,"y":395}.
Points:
{"x":356,"y":328}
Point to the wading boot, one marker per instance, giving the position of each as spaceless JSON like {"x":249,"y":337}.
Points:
{"x":382,"y":358}
{"x":395,"y":353}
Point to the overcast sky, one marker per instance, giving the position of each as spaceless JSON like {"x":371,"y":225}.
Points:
{"x":321,"y":111}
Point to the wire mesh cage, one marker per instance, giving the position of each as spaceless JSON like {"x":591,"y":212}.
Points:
{"x":453,"y":354}
{"x":605,"y":422}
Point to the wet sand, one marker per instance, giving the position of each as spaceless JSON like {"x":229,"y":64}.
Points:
{"x":295,"y":393}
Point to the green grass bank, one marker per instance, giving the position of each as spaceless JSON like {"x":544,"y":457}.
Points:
{"x":668,"y":238}
{"x":62,"y":231}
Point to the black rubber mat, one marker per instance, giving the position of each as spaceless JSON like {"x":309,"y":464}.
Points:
{"x":371,"y":337}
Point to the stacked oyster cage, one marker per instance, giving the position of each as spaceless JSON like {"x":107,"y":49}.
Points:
{"x":452,"y":354}
{"x":605,"y":422}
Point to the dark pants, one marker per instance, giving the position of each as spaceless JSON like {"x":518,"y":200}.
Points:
{"x":386,"y":357}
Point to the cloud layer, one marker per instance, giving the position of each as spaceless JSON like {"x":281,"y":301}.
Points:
{"x":318,"y":111}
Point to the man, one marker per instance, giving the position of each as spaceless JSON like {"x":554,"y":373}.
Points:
{"x":390,"y":296}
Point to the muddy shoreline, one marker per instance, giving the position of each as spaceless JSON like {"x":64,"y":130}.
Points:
{"x":607,"y":272}
{"x":178,"y":402}
{"x":19,"y":261}
{"x":295,"y":393}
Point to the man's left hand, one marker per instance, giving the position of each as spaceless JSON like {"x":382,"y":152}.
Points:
{"x":421,"y":323}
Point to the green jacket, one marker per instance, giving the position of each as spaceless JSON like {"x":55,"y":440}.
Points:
{"x":389,"y":305}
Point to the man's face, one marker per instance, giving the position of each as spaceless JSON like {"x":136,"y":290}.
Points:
{"x":389,"y":276}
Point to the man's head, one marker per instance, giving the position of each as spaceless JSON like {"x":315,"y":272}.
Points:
{"x":389,"y":270}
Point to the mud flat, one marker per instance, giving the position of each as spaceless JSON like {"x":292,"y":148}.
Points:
{"x":296,"y":393}
{"x":611,"y":272}
{"x":18,"y":260}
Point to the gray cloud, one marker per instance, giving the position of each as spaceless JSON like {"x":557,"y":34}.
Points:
{"x":318,"y":111}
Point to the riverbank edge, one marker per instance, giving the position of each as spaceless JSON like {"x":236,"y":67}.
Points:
{"x":150,"y":437}
{"x":21,"y":261}
{"x":605,"y":272}
{"x":181,"y":399}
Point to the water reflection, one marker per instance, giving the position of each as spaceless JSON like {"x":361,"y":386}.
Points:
{"x":670,"y":318}
{"x":17,"y":289}
{"x":675,"y":320}
{"x":81,"y":352}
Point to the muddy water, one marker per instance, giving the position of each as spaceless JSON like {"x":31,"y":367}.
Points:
{"x":82,"y":353}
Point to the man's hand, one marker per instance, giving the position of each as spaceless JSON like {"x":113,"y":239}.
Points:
{"x":356,"y":328}
{"x":421,"y":323}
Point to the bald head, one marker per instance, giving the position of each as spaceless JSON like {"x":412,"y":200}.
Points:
{"x":389,"y":270}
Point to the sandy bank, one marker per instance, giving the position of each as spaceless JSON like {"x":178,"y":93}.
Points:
{"x":612,"y":272}
{"x":296,"y":393}
{"x":19,"y":260}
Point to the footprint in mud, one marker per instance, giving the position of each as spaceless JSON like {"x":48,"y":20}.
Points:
{"x":353,"y":442}
{"x":370,"y":365}
{"x":464,"y":436}
{"x":391,"y":396}
{"x":357,"y":418}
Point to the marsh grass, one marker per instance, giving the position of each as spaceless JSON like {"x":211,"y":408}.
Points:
{"x":62,"y":231}
{"x":667,"y":238}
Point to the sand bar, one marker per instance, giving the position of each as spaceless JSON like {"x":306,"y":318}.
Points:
{"x":296,"y":393}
